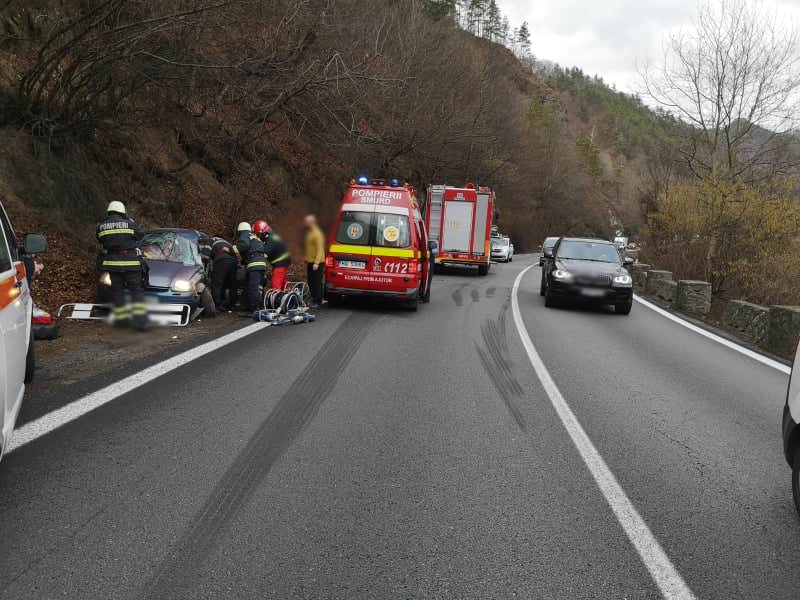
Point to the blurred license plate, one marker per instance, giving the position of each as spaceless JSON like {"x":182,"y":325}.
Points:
{"x":352,"y":264}
{"x":592,"y":293}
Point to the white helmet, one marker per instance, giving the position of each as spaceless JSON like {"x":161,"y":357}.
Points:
{"x":117,"y":207}
{"x":244,"y":226}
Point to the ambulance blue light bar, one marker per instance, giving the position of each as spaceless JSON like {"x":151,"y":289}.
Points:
{"x":394,"y":183}
{"x":363,"y":180}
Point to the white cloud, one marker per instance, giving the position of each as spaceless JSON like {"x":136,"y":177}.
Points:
{"x":607,"y":37}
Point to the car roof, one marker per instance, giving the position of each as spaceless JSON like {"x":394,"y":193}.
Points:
{"x":179,"y":230}
{"x":592,"y":240}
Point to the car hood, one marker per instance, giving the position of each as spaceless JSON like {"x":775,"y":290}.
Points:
{"x":162,"y":273}
{"x":587,"y":267}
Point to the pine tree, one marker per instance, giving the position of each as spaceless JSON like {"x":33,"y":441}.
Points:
{"x":441,"y":8}
{"x":493,"y":22}
{"x":524,"y":40}
{"x":505,"y":31}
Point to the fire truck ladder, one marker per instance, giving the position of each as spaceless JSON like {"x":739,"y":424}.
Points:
{"x":437,"y":203}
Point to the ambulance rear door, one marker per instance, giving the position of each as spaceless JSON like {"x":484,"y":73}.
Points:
{"x":394,"y":260}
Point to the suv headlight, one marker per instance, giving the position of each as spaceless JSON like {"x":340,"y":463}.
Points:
{"x":105,"y":279}
{"x":623,"y":280}
{"x":562,"y":274}
{"x":182,"y":285}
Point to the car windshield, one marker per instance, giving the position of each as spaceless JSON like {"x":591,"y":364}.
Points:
{"x":170,"y":246}
{"x":549,"y":242}
{"x":593,"y":251}
{"x":500,"y":242}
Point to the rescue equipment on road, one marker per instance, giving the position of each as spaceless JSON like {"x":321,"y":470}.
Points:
{"x":286,"y":307}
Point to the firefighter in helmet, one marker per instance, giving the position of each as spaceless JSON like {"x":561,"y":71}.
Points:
{"x":119,"y":235}
{"x":250,"y":249}
{"x":224,"y":264}
{"x":277,"y":253}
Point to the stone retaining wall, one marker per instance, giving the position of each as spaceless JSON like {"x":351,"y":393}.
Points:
{"x":784,"y":330}
{"x":775,"y":329}
{"x":751,"y":320}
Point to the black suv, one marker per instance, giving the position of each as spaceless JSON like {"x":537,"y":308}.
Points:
{"x":589,"y":271}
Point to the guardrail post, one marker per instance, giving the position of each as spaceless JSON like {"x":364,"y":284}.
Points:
{"x":639,"y":273}
{"x":693,"y":297}
{"x":654,"y":278}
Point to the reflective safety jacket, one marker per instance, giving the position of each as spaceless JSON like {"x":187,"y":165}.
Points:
{"x":251,"y":250}
{"x":119,"y":237}
{"x":276,"y":250}
{"x":222,"y":250}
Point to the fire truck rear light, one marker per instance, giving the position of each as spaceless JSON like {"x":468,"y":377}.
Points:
{"x":412,"y":267}
{"x":329,"y":261}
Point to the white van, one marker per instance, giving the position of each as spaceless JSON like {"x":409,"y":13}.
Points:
{"x":16,"y":337}
{"x":791,"y":430}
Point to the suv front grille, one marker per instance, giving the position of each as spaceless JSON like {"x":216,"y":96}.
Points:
{"x":597,"y":280}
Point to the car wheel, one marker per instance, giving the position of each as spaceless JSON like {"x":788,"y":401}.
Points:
{"x":207,"y":302}
{"x":796,"y":481}
{"x":483,"y":270}
{"x":623,"y":308}
{"x":30,"y":361}
{"x":426,"y":298}
{"x":542,"y":286}
{"x":549,"y":299}
{"x":510,"y":259}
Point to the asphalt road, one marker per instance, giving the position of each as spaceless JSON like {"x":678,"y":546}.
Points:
{"x":382,"y":454}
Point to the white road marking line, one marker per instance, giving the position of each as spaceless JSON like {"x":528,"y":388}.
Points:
{"x":663,"y":572}
{"x":719,"y":339}
{"x":74,"y":410}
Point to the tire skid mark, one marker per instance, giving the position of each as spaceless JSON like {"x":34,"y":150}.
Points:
{"x":476,"y":296}
{"x":490,"y":291}
{"x":182,"y":569}
{"x":458,"y":297}
{"x":497,"y":361}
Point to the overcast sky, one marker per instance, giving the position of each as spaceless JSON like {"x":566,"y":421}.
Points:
{"x":606,"y":37}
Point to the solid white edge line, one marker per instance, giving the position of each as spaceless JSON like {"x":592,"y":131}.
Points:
{"x":663,"y":572}
{"x":712,"y":336}
{"x":74,"y":410}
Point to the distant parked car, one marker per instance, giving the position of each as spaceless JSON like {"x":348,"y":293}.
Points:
{"x":178,"y":270}
{"x":546,"y":245}
{"x":502,"y":249}
{"x":791,"y":429}
{"x":587,"y":270}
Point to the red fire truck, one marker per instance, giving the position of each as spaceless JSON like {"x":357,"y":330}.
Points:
{"x":378,"y":245}
{"x":460,"y":221}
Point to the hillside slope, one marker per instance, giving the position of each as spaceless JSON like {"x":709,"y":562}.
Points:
{"x":203,"y":116}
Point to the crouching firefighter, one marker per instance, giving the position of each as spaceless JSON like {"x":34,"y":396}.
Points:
{"x":224,"y":264}
{"x":119,"y":237}
{"x":251,"y":250}
{"x":277,"y":253}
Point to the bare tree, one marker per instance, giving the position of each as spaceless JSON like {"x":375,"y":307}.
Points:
{"x":733,"y":82}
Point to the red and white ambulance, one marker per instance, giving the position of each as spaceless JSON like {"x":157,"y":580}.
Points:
{"x":378,"y":245}
{"x":460,"y":221}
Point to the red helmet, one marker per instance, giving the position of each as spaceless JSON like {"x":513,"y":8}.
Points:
{"x":261,"y":227}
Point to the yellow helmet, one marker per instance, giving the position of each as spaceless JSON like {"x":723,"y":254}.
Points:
{"x":244,"y":226}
